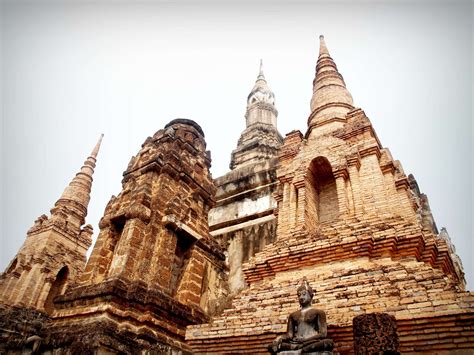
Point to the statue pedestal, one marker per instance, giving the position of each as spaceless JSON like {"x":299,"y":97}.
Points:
{"x":299,"y":352}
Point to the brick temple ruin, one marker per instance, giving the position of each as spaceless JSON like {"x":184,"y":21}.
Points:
{"x":189,"y":264}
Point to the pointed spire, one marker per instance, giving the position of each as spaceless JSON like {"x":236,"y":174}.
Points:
{"x":260,"y":74}
{"x":323,"y":49}
{"x":330,"y":98}
{"x":76,"y":195}
{"x":260,"y":140}
{"x":97,"y":147}
{"x":260,"y":93}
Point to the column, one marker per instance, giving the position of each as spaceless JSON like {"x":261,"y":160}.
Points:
{"x":293,"y":201}
{"x":283,"y":217}
{"x":356,"y":188}
{"x":128,"y":249}
{"x":341,"y":176}
{"x":300,"y":203}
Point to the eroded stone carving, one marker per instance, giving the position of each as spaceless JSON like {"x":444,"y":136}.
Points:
{"x":375,"y":333}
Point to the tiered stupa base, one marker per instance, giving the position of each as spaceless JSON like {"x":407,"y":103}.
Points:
{"x":384,"y":267}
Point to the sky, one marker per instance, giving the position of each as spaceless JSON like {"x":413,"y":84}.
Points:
{"x":72,"y":70}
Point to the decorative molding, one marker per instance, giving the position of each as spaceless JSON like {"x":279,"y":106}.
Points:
{"x":372,"y":150}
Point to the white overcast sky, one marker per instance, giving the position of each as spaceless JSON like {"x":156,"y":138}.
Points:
{"x":72,"y":70}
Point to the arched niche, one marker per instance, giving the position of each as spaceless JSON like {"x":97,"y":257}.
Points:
{"x":321,"y":196}
{"x":57,"y":288}
{"x":182,"y":255}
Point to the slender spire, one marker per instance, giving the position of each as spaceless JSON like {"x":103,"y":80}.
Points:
{"x":260,"y":74}
{"x":76,"y":195}
{"x":260,"y":93}
{"x":97,"y":147}
{"x":330,"y":98}
{"x":323,"y":49}
{"x":260,"y":140}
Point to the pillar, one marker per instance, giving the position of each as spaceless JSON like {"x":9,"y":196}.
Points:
{"x":292,"y":206}
{"x":356,"y":189}
{"x":340,"y":177}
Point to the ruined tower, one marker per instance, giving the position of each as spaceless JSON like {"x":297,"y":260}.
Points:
{"x":154,"y":268}
{"x":54,"y":252}
{"x":350,"y":222}
{"x":242,"y":220}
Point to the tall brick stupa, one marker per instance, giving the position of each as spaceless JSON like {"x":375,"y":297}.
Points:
{"x":350,"y":222}
{"x":54,"y":252}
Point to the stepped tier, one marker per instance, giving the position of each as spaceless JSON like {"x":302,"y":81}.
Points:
{"x":376,"y":265}
{"x":372,"y":236}
{"x":414,"y":292}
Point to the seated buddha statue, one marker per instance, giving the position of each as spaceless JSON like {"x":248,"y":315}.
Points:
{"x":307,"y":328}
